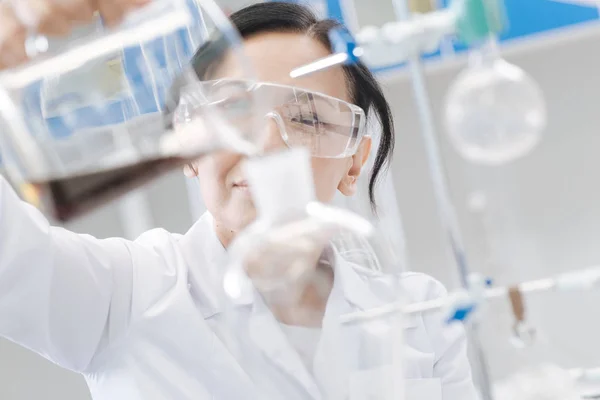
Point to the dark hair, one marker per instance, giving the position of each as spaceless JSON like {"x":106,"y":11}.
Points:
{"x":364,"y":89}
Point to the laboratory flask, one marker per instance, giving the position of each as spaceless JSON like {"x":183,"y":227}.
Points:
{"x":495,"y":112}
{"x":104,"y":110}
{"x":539,"y":382}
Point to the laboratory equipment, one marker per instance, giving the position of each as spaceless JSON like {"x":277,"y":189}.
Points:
{"x":472,"y":99}
{"x":495,"y":112}
{"x":536,"y":378}
{"x":92,"y":116}
{"x":544,"y":382}
{"x":581,"y":280}
{"x":533,"y":380}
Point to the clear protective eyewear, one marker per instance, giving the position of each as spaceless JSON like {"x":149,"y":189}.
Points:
{"x":327,"y":126}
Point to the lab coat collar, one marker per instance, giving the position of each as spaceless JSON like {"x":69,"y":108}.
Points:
{"x":353,"y":289}
{"x":356,"y":289}
{"x":266,"y":333}
{"x":206,"y":259}
{"x":202,"y":236}
{"x":364,"y":289}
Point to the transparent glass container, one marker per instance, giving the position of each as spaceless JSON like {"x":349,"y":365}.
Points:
{"x":105,"y":110}
{"x":539,"y":382}
{"x":495,"y":112}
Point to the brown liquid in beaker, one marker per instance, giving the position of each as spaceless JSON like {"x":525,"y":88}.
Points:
{"x":70,"y":197}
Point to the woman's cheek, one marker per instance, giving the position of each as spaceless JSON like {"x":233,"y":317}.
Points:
{"x":327,"y":175}
{"x":211,"y":178}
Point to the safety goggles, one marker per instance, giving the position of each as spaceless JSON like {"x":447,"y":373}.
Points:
{"x":327,"y":126}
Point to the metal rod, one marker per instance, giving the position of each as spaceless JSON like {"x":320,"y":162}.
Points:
{"x":320,"y":65}
{"x":445,"y":206}
{"x":448,"y":215}
{"x":584,"y":279}
{"x":436,"y":169}
{"x":540,"y":285}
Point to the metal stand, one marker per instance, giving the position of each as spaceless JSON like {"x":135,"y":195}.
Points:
{"x":448,"y":215}
{"x":445,"y":206}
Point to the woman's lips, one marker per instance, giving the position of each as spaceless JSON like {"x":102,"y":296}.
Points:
{"x":241,"y":185}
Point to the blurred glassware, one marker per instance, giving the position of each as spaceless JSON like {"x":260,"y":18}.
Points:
{"x":92,"y":117}
{"x":541,"y":382}
{"x":495,"y":112}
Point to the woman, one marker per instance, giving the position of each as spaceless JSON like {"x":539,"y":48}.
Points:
{"x":139,"y":320}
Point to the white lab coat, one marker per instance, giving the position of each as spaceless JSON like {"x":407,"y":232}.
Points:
{"x":142,"y":320}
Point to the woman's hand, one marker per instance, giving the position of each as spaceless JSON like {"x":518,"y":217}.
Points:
{"x":286,"y":255}
{"x":52,"y":18}
{"x":291,"y":266}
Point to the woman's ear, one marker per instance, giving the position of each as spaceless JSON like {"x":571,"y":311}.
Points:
{"x":347,"y":185}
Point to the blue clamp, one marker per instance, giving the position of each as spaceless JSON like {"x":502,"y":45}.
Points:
{"x":342,"y":41}
{"x":461,"y":314}
{"x":465,"y":303}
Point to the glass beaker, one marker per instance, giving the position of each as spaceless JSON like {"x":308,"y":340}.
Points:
{"x":100,"y":112}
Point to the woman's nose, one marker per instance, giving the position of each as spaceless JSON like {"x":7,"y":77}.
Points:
{"x":272,"y":138}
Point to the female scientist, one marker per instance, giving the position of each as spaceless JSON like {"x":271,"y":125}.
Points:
{"x":138,"y":319}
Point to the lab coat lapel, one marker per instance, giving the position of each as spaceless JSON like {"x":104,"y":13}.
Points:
{"x":352,"y":291}
{"x":366,"y":290}
{"x":266,"y":333}
{"x":330,"y":363}
{"x":207,"y":260}
{"x":201,"y":245}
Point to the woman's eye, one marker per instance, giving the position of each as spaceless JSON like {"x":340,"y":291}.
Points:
{"x":305,"y":120}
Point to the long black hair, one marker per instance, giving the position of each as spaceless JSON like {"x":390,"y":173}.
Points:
{"x":364,"y":89}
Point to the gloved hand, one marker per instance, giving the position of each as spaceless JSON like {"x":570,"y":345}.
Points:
{"x":53,"y":18}
{"x":286,"y":253}
{"x":291,"y":265}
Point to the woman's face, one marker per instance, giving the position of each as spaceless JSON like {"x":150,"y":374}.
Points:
{"x":222,"y":181}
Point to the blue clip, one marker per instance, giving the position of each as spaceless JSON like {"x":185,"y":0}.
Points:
{"x":461,"y":313}
{"x":342,"y":42}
